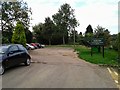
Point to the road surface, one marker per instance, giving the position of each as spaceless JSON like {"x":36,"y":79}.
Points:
{"x":57,"y":68}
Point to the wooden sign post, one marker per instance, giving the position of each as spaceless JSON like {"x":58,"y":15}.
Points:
{"x":97,"y":42}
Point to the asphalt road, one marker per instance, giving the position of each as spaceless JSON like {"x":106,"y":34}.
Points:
{"x":57,"y":68}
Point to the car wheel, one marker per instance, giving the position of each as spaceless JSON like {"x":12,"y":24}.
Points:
{"x":27,"y":62}
{"x":2,"y":70}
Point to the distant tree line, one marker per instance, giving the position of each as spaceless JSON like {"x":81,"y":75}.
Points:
{"x":59,"y":29}
{"x":110,"y":41}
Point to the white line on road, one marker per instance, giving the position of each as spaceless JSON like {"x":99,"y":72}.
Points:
{"x":116,"y":81}
{"x":116,"y":73}
{"x":109,"y":70}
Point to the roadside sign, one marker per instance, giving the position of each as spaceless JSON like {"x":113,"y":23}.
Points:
{"x":97,"y":42}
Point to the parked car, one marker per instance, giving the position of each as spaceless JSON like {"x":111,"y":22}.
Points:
{"x":38,"y":45}
{"x":33,"y":44}
{"x":42,"y":45}
{"x":29,"y":47}
{"x":11,"y":55}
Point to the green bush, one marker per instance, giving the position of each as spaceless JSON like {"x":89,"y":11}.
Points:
{"x":19,"y":34}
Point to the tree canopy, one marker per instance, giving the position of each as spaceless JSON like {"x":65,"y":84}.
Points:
{"x":58,"y":29}
{"x":89,"y":31}
{"x":19,"y":34}
{"x":11,"y":13}
{"x":65,"y":20}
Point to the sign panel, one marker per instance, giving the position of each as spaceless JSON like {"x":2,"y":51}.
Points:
{"x":97,"y":41}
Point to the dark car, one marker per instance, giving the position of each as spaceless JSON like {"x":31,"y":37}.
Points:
{"x":11,"y":55}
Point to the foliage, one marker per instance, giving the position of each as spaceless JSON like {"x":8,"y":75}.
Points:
{"x":89,"y":31}
{"x":101,"y":32}
{"x":80,"y":38}
{"x":19,"y":34}
{"x":29,"y":36}
{"x":110,"y":56}
{"x":114,"y":42}
{"x":4,"y":40}
{"x":58,"y":30}
{"x":71,"y":38}
{"x":11,"y":13}
{"x":48,"y":29}
{"x":41,"y":33}
{"x":65,"y":20}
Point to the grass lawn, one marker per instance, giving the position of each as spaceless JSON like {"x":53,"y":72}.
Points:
{"x":97,"y":58}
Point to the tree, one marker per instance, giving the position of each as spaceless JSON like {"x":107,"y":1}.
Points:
{"x":101,"y":32}
{"x":80,"y":38}
{"x":72,"y":36}
{"x":38,"y":33}
{"x":11,"y":13}
{"x":48,"y":29}
{"x":65,"y":20}
{"x":80,"y":33}
{"x":89,"y":31}
{"x":29,"y":36}
{"x":19,"y":34}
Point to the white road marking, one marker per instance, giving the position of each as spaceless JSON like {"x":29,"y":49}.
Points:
{"x":109,"y":70}
{"x":116,"y":81}
{"x":116,"y":73}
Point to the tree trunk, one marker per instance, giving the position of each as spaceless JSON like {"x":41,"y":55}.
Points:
{"x":63,"y":40}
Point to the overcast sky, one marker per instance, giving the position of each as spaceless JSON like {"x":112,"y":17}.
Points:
{"x":94,"y":12}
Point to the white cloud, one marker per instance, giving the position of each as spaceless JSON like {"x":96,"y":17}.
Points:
{"x":94,"y":12}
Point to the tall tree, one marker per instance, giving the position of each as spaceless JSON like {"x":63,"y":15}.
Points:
{"x":38,"y":32}
{"x":65,"y":20}
{"x":89,"y":31}
{"x":80,"y":38}
{"x":19,"y":34}
{"x":29,"y":36}
{"x":101,"y":32}
{"x":72,"y":36}
{"x":13,"y":12}
{"x":48,"y":29}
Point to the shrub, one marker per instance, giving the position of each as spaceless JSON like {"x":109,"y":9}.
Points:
{"x":19,"y":34}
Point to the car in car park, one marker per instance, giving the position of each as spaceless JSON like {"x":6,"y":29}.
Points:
{"x":33,"y":44}
{"x":30,"y":47}
{"x":42,"y":45}
{"x":12,"y":55}
{"x":39,"y":45}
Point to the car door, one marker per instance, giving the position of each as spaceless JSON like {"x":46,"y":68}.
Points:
{"x":13,"y":56}
{"x":23,"y":54}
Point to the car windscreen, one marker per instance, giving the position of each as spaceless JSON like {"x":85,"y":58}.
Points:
{"x":3,"y":49}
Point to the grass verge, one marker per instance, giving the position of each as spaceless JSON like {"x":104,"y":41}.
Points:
{"x":97,"y":58}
